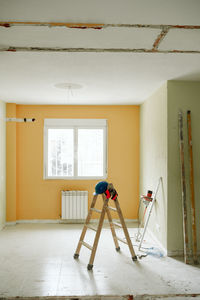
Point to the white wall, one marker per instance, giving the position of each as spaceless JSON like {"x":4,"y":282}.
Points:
{"x":183,"y":96}
{"x":153,"y":158}
{"x":2,"y":164}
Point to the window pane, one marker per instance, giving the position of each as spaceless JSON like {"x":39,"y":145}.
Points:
{"x":90,"y":152}
{"x":60,"y":152}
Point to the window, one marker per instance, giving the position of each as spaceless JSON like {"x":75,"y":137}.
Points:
{"x":75,"y":149}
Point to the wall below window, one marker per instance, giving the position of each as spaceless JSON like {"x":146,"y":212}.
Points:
{"x":2,"y":164}
{"x":32,"y":197}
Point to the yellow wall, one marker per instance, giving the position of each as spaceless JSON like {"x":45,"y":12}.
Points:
{"x":11,"y":174}
{"x":37,"y":198}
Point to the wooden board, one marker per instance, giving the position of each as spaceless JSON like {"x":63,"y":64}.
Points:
{"x":183,"y":187}
{"x":192,"y":199}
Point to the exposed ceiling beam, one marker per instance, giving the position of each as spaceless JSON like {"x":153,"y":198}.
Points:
{"x":52,"y":24}
{"x":96,"y":50}
{"x":96,"y":25}
{"x":155,"y":47}
{"x":159,"y":39}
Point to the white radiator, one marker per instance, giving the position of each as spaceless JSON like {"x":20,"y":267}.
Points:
{"x":74,"y":205}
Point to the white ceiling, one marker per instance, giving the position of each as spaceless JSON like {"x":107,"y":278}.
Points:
{"x":113,"y":64}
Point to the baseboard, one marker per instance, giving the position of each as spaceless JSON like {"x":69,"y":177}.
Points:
{"x":2,"y":226}
{"x":115,"y":220}
{"x":11,"y":223}
{"x":172,"y":253}
{"x":180,"y":252}
{"x":60,"y":221}
{"x":35,"y":221}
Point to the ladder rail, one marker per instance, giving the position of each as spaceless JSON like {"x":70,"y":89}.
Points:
{"x":86,"y":245}
{"x":94,"y":248}
{"x":96,"y":210}
{"x":112,"y":208}
{"x":134,"y":257}
{"x":85,"y":227}
{"x":91,"y":227}
{"x":105,"y":210}
{"x":112,"y":226}
{"x":117,"y":224}
{"x":121,"y":240}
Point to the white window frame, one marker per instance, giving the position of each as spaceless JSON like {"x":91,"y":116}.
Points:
{"x":75,"y":124}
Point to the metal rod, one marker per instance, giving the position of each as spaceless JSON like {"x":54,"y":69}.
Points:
{"x":147,"y":220}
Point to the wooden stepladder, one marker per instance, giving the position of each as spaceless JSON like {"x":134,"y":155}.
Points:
{"x":105,"y":210}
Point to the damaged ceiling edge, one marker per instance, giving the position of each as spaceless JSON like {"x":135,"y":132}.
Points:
{"x":95,"y":50}
{"x":45,"y":24}
{"x":155,"y":47}
{"x":8,"y":24}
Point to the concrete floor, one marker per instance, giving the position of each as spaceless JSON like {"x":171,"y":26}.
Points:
{"x":37,"y":260}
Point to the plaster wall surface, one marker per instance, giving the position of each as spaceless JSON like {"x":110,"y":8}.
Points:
{"x":31,"y":197}
{"x":153,"y":158}
{"x":94,"y":11}
{"x":2,"y":164}
{"x":182,"y":96}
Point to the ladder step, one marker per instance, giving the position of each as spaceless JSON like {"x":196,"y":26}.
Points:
{"x":117,"y":224}
{"x":86,"y":245}
{"x":121,"y":240}
{"x":91,"y":227}
{"x":112,"y":208}
{"x":95,"y":209}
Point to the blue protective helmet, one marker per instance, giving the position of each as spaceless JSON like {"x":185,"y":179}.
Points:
{"x":101,"y":187}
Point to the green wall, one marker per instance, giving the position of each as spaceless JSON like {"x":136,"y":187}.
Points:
{"x":159,"y":156}
{"x":183,"y":96}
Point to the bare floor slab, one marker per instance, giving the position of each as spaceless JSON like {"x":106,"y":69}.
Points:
{"x":37,"y":261}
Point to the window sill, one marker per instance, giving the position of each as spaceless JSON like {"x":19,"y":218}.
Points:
{"x":76,"y":178}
